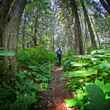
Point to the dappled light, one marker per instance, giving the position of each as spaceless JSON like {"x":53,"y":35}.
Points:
{"x":59,"y":95}
{"x":54,"y":54}
{"x":59,"y":69}
{"x":62,"y":106}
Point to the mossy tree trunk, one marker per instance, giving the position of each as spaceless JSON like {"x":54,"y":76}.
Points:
{"x":5,"y":6}
{"x":78,"y":36}
{"x":10,"y":38}
{"x":87,"y":19}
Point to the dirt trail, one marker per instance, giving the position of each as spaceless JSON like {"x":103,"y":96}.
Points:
{"x":57,"y":93}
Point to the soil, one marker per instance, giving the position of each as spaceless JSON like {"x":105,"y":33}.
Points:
{"x":54,"y":98}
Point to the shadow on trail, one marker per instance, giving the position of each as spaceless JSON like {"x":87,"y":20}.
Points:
{"x":54,"y":99}
{"x":57,"y":92}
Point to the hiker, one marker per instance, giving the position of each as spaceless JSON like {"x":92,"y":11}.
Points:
{"x":59,"y":55}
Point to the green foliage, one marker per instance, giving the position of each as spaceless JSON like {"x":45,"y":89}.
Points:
{"x":70,"y":102}
{"x":35,"y":73}
{"x":108,"y":19}
{"x":7,"y":95}
{"x":96,"y":98}
{"x":33,"y":77}
{"x":24,"y":102}
{"x":34,"y":56}
{"x":81,"y":73}
{"x":25,"y":93}
{"x":4,"y":53}
{"x":88,"y":76}
{"x":105,"y":87}
{"x":41,"y":5}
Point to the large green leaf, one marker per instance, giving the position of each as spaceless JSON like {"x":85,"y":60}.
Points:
{"x":81,"y":73}
{"x":5,"y":53}
{"x":96,"y":97}
{"x":105,"y":87}
{"x":75,"y":64}
{"x":104,"y":67}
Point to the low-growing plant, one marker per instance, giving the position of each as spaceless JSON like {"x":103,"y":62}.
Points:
{"x":89,"y":74}
{"x":32,"y":78}
{"x":34,"y":56}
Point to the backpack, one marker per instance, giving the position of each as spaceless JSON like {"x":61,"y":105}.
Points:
{"x":59,"y":51}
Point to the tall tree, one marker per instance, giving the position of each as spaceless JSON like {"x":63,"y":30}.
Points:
{"x":5,"y":6}
{"x":72,"y":7}
{"x":87,"y":19}
{"x":78,"y":36}
{"x":10,"y":35}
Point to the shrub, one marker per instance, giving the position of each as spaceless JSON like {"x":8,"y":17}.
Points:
{"x":89,"y":74}
{"x":34,"y":56}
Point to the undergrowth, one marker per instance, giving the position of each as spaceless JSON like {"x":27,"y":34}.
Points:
{"x":34,"y":73}
{"x":88,"y":77}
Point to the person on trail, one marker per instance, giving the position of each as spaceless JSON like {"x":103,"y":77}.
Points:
{"x":59,"y":55}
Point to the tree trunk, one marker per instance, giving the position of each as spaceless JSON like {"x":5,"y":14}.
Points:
{"x":5,"y":6}
{"x":53,"y":42}
{"x":96,"y":34}
{"x":4,"y":9}
{"x":35,"y":32}
{"x":10,"y":38}
{"x":92,"y":36}
{"x":23,"y":30}
{"x":78,"y":36}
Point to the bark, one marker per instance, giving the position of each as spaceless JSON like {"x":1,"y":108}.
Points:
{"x":35,"y":37}
{"x":35,"y":32}
{"x":23,"y":30}
{"x":96,"y":34}
{"x":69,"y":30}
{"x":13,"y":24}
{"x":78,"y":36}
{"x":87,"y":35}
{"x":53,"y":42}
{"x":9,"y":35}
{"x":5,"y":6}
{"x":92,"y":35}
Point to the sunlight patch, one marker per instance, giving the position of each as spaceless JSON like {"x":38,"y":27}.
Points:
{"x":70,"y":102}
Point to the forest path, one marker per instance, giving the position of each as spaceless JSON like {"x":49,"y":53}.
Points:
{"x":57,"y":93}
